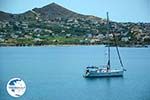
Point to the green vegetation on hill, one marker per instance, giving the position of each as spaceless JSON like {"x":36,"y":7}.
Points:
{"x":53,"y":24}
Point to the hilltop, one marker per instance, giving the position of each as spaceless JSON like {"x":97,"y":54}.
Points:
{"x":48,"y":12}
{"x":54,"y":24}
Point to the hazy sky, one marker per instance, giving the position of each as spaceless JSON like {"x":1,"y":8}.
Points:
{"x":119,"y":10}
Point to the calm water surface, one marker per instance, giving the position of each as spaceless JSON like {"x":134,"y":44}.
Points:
{"x":55,"y":73}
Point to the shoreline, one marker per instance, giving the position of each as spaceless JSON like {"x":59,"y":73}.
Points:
{"x":69,"y":45}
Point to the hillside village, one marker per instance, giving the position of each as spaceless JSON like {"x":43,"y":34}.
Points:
{"x":38,"y":27}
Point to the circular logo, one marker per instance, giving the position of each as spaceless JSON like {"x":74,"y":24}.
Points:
{"x":16,"y":87}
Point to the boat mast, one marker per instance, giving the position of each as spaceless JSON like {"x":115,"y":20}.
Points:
{"x":108,"y":32}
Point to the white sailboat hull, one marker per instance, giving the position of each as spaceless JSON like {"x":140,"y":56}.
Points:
{"x":111,"y":73}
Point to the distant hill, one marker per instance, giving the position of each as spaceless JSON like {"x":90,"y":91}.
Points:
{"x":54,"y":24}
{"x":48,"y":12}
{"x":54,"y":10}
{"x":6,"y":16}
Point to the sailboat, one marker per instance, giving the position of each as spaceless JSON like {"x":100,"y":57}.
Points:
{"x":106,"y":70}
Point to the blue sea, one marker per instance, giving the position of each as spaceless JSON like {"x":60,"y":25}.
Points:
{"x":56,"y":73}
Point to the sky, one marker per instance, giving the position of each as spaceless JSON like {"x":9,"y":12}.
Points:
{"x":119,"y":10}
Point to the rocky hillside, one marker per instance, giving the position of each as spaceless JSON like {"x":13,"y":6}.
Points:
{"x":54,"y":24}
{"x":54,"y":10}
{"x":48,"y":12}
